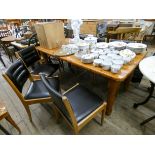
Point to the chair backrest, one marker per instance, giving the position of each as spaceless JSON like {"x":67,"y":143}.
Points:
{"x":129,"y":33}
{"x":29,"y":55}
{"x":56,"y":97}
{"x":18,"y":74}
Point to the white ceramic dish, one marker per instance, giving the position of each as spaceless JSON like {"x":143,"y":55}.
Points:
{"x":102,"y":45}
{"x":127,"y":53}
{"x":118,"y":62}
{"x":106,"y":65}
{"x":97,"y":51}
{"x":103,"y":57}
{"x":97,"y":62}
{"x":91,"y":41}
{"x":136,"y":47}
{"x":115,"y":68}
{"x":118,"y":45}
{"x":87,"y":58}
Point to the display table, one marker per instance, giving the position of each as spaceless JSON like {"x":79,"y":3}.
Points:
{"x":114,"y":80}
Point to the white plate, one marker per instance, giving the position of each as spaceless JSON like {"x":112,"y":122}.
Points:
{"x":102,"y":45}
{"x":117,"y":44}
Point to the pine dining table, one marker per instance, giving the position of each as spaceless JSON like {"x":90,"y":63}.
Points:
{"x":114,"y":80}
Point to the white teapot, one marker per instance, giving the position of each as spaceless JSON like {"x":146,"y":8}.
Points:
{"x":91,"y":40}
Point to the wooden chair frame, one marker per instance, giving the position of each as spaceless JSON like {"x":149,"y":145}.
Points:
{"x":76,"y":127}
{"x":24,"y":101}
{"x":5,"y":114}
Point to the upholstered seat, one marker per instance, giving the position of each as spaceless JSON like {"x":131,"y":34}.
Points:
{"x":31,"y":59}
{"x":83,"y":101}
{"x":37,"y":89}
{"x":47,"y":69}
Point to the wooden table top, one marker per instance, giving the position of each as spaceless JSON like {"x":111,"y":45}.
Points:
{"x":9,"y":39}
{"x":121,"y":76}
{"x":19,"y":45}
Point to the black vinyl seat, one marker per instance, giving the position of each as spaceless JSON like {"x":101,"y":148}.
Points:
{"x":38,"y":90}
{"x":78,"y":105}
{"x":47,"y":69}
{"x":31,"y":59}
{"x":83,"y":101}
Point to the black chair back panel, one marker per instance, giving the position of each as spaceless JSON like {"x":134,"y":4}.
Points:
{"x":56,"y":97}
{"x":29,"y":55}
{"x":18,"y":74}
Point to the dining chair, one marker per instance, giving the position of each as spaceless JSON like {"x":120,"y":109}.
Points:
{"x":77,"y":105}
{"x":17,"y":75}
{"x":5,"y":114}
{"x":31,"y":59}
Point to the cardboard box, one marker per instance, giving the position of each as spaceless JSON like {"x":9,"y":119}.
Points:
{"x":50,"y":34}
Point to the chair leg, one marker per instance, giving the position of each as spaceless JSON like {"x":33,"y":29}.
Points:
{"x":11,"y":121}
{"x":28,"y":112}
{"x":76,"y":132}
{"x":102,"y":116}
{"x":4,"y":130}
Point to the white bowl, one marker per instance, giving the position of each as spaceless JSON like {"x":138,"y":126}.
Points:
{"x":103,"y":57}
{"x":136,"y":47}
{"x":115,"y":68}
{"x":97,"y":62}
{"x":106,"y":65}
{"x":118,"y":62}
{"x":87,"y":58}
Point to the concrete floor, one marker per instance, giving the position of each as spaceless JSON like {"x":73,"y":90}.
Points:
{"x":123,"y":121}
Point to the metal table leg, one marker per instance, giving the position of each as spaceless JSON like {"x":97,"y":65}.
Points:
{"x":4,"y":130}
{"x":147,"y":120}
{"x":148,"y":97}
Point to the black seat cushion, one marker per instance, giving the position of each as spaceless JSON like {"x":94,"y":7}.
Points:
{"x":38,"y":90}
{"x":83,"y":102}
{"x":47,"y":69}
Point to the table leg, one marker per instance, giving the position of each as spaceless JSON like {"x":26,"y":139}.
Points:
{"x":148,"y":97}
{"x":127,"y":81}
{"x":113,"y":87}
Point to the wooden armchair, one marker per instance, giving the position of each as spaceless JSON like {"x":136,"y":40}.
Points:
{"x":17,"y":75}
{"x":78,"y":105}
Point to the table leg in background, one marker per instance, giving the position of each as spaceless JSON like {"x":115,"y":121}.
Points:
{"x":127,"y":81}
